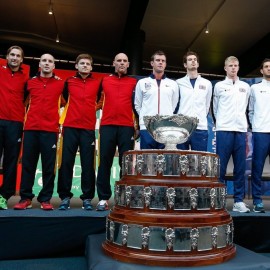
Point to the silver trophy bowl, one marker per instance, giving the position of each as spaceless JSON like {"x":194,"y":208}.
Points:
{"x":170,"y":129}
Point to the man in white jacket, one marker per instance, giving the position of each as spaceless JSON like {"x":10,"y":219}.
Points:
{"x":155,"y":94}
{"x":195,"y":98}
{"x":229,"y":107}
{"x":259,"y":116}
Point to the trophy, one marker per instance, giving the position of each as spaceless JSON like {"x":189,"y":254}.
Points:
{"x":170,"y":208}
{"x":170,"y":129}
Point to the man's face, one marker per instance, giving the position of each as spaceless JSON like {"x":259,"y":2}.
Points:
{"x":84,"y":66}
{"x":159,"y":63}
{"x":232,"y":68}
{"x":192,"y":63}
{"x":46,"y":64}
{"x":14,"y":59}
{"x":121,"y":63}
{"x":266,"y":70}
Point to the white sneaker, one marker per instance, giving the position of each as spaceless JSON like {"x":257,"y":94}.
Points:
{"x":241,"y":207}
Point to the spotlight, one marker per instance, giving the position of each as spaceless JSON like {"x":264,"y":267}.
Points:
{"x":207,"y":30}
{"x":50,"y":10}
{"x":57,"y":40}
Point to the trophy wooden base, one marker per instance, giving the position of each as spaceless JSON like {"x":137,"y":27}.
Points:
{"x":130,"y":256}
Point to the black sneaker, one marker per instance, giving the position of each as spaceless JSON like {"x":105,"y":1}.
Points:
{"x":259,"y":208}
{"x":87,"y":205}
{"x":64,"y":205}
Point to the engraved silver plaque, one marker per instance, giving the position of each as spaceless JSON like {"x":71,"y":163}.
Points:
{"x":172,"y":166}
{"x":137,"y":197}
{"x":122,"y":195}
{"x":204,"y":199}
{"x":194,"y":165}
{"x":130,"y":165}
{"x":222,"y":237}
{"x":182,"y":199}
{"x":157,"y":240}
{"x":149,"y":166}
{"x":182,"y":241}
{"x":218,"y":202}
{"x":117,"y":234}
{"x":158,"y":198}
{"x":205,"y":239}
{"x":134,"y":240}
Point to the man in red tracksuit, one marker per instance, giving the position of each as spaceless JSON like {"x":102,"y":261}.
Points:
{"x":117,"y":124}
{"x":12,"y":110}
{"x":79,"y":119}
{"x":40,"y":134}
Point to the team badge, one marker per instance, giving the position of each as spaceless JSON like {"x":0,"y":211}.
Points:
{"x":147,"y":86}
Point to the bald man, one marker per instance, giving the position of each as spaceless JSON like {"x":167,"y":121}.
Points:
{"x":117,"y":127}
{"x":41,"y":130}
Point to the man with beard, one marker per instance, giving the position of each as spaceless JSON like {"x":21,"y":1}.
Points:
{"x":195,"y":98}
{"x":12,"y":110}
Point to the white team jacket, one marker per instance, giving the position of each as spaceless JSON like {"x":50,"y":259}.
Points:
{"x":151,"y":99}
{"x":229,"y":105}
{"x":195,"y":102}
{"x":259,"y":106}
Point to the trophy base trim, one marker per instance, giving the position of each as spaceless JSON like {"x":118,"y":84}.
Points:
{"x":167,"y":259}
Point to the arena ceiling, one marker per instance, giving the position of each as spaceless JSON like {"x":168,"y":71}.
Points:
{"x":140,"y":27}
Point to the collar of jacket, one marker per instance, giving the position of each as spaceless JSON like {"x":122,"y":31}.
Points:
{"x":20,"y":68}
{"x":38,"y":75}
{"x":78,"y":75}
{"x":153,"y":76}
{"x":117,"y":75}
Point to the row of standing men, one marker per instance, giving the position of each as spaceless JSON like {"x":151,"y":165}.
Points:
{"x":122,"y":100}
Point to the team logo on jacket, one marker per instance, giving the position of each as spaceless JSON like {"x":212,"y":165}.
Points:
{"x":202,"y":87}
{"x":243,"y":90}
{"x":147,"y":86}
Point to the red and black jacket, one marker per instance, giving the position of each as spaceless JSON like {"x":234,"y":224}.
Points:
{"x":81,"y":96}
{"x":12,"y":87}
{"x":117,"y":100}
{"x":44,"y":104}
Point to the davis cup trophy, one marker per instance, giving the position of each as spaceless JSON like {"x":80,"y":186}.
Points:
{"x":170,"y":208}
{"x":170,"y":130}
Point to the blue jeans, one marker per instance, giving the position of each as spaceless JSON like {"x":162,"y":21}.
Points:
{"x":261,"y":149}
{"x":231,"y":143}
{"x":197,"y":141}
